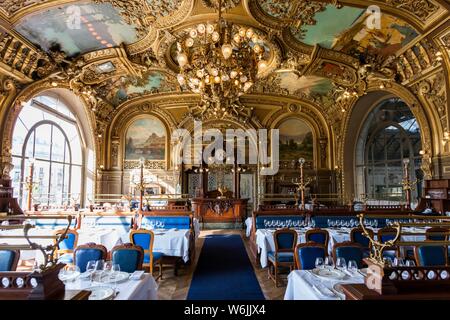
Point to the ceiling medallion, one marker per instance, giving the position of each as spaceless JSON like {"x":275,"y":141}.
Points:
{"x":220,"y":61}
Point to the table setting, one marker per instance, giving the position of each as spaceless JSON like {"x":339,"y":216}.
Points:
{"x":106,"y":282}
{"x":323,"y":282}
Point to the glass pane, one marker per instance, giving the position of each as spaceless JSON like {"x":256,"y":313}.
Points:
{"x":29,"y":151}
{"x":42,"y":146}
{"x":76,"y":180}
{"x":19,"y":135}
{"x":58,"y":145}
{"x":31,"y":115}
{"x":57,"y":183}
{"x":15,"y":176}
{"x":42,"y":179}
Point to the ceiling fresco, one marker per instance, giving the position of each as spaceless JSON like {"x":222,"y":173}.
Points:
{"x":309,"y":85}
{"x":330,"y":23}
{"x":126,"y":88}
{"x":99,"y":26}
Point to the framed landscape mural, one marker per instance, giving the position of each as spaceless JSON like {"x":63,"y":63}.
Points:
{"x":296,"y":140}
{"x":145,"y":137}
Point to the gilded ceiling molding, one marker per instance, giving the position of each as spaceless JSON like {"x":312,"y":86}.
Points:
{"x":182,"y":13}
{"x":144,"y":44}
{"x":21,"y":60}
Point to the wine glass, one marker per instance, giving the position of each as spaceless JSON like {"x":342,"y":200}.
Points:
{"x":115,"y":269}
{"x":329,"y":262}
{"x":352,"y":266}
{"x":341,"y":264}
{"x":410,"y":263}
{"x":398,"y":262}
{"x":90,"y":268}
{"x":319,"y":264}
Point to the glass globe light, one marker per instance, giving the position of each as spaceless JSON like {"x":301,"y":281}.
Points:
{"x":242,"y":32}
{"x":225,"y":77}
{"x":189,"y":42}
{"x":215,"y":36}
{"x":182,"y":59}
{"x":209,"y":28}
{"x":227,"y":50}
{"x":233,"y":74}
{"x":201,"y":28}
{"x":249,"y":33}
{"x":217,"y":79}
{"x":243,"y":79}
{"x":193,"y":33}
{"x":237,"y":38}
{"x":200,"y":73}
{"x":262,"y":65}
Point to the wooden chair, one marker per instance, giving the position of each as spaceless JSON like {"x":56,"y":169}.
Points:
{"x":66,"y":247}
{"x":87,"y":252}
{"x":306,"y":254}
{"x":385,"y":234}
{"x":349,"y":251}
{"x":318,"y":235}
{"x":145,"y":238}
{"x":285,"y":242}
{"x":9,"y":259}
{"x":128,"y":256}
{"x":357,"y":236}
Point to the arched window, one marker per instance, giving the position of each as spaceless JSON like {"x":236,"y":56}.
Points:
{"x":389,"y":135}
{"x":46,"y":130}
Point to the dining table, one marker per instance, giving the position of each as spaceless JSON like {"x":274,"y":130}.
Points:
{"x":141,"y":289}
{"x":307,"y":285}
{"x":265,"y":241}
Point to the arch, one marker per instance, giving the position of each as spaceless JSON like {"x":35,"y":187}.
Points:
{"x":82,"y":118}
{"x":357,"y":118}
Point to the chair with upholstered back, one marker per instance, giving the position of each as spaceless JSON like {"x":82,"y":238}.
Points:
{"x":349,"y":251}
{"x":307,"y":253}
{"x":66,"y":246}
{"x":387,"y":234}
{"x":427,"y":256}
{"x":318,"y":235}
{"x":283,"y":256}
{"x":145,"y":238}
{"x":87,"y":252}
{"x":357,"y":236}
{"x":9,"y":260}
{"x":128,"y":256}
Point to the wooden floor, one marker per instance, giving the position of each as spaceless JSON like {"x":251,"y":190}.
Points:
{"x":176,"y":287}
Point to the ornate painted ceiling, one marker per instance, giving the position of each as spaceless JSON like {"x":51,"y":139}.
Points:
{"x":112,"y":52}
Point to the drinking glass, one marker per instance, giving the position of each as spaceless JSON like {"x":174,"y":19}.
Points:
{"x":329,"y":262}
{"x":352,"y":266}
{"x":341,"y":264}
{"x":90,"y":268}
{"x":410,"y":263}
{"x":319,"y":263}
{"x":398,"y":262}
{"x":115,"y":269}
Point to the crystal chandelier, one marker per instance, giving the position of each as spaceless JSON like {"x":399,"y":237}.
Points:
{"x":220,"y":61}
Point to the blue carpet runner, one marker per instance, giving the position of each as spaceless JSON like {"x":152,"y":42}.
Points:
{"x":224,"y":271}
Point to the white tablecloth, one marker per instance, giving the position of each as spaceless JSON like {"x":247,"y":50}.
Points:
{"x":170,"y":242}
{"x":248,"y":223}
{"x":303,"y":285}
{"x":144,"y":289}
{"x":266,"y":243}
